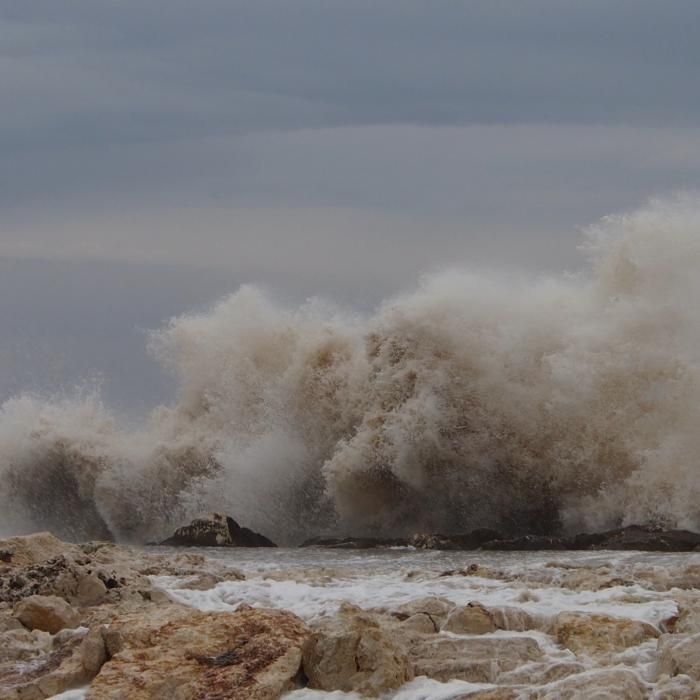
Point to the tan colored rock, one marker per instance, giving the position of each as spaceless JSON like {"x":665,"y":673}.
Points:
{"x":26,"y":550}
{"x":474,"y":659}
{"x":599,"y":634}
{"x":601,"y":684}
{"x":47,"y":613}
{"x":176,"y":653}
{"x":512,"y":619}
{"x":24,"y":645}
{"x":420,"y":623}
{"x":472,"y":618}
{"x":74,"y":664}
{"x":435,"y":607}
{"x":9,"y":622}
{"x":352,"y":652}
{"x":679,"y":654}
{"x":676,"y":688}
{"x":541,"y":673}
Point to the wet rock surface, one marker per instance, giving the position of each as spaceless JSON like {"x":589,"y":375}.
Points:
{"x":216,"y":530}
{"x":120,"y":622}
{"x":183,"y":653}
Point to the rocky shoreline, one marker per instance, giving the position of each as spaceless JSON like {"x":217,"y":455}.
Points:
{"x":93,"y":616}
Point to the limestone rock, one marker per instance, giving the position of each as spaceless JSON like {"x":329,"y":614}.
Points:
{"x":541,"y":673}
{"x":679,"y":653}
{"x":474,"y":659}
{"x":606,"y":684}
{"x":47,"y":613}
{"x":596,"y":634}
{"x":216,"y":530}
{"x":351,"y":652}
{"x":176,"y":652}
{"x":73,"y":664}
{"x":26,"y":550}
{"x":472,"y":618}
{"x":436,"y":608}
{"x":676,"y":688}
{"x":24,"y":645}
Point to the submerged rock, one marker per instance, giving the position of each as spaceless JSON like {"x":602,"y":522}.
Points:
{"x":216,"y":530}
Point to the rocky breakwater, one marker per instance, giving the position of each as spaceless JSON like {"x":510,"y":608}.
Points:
{"x":632,"y":537}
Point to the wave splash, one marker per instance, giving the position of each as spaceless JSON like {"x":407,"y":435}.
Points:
{"x":478,"y":399}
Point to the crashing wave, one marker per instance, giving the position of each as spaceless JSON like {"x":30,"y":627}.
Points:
{"x":561,"y":403}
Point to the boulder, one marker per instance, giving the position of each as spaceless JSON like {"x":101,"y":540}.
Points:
{"x":605,"y":684}
{"x":27,"y":550}
{"x":47,"y":613}
{"x":23,"y":645}
{"x":679,"y":654}
{"x":435,"y":608}
{"x":472,"y":618}
{"x":74,"y":663}
{"x":177,"y":652}
{"x":353,"y":653}
{"x":216,"y":530}
{"x":474,"y":659}
{"x":599,"y":634}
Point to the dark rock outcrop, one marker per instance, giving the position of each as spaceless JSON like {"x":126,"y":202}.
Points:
{"x":216,"y":530}
{"x":633,"y":537}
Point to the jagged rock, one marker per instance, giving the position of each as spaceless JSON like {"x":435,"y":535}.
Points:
{"x":73,"y":664}
{"x":472,"y":618}
{"x":216,"y":530}
{"x":474,"y":659}
{"x":352,"y":652}
{"x":679,"y":654}
{"x":596,"y":634}
{"x":176,"y":652}
{"x":606,"y":684}
{"x":47,"y":613}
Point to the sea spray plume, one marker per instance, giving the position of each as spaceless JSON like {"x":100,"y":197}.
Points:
{"x":478,"y":399}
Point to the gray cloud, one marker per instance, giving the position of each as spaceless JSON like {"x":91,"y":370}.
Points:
{"x":318,"y":146}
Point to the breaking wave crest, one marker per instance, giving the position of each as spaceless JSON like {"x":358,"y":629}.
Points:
{"x":477,"y":399}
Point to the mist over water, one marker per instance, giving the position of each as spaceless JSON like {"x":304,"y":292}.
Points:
{"x":476,"y":399}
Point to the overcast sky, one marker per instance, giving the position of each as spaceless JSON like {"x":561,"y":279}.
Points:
{"x":156,"y":153}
